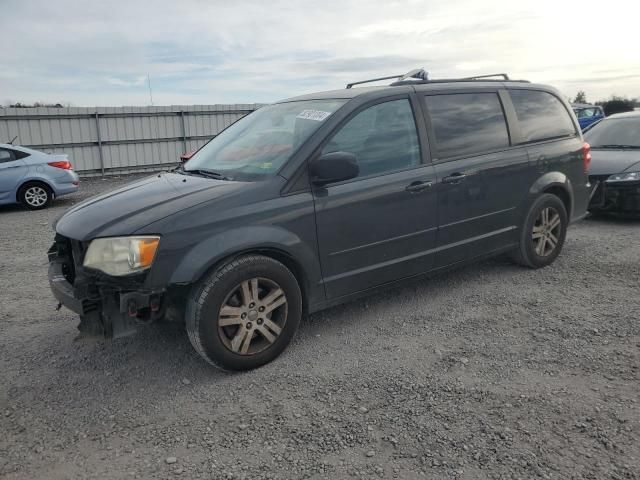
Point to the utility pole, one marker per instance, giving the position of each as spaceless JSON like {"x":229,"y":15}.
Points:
{"x":150,"y":94}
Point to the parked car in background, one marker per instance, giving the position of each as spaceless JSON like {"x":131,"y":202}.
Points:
{"x":615,"y":164}
{"x":587,"y":114}
{"x":319,"y":199}
{"x":34,"y":178}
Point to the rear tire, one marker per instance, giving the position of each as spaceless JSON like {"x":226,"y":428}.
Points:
{"x":35,"y":195}
{"x":245,"y":313}
{"x":543,"y":233}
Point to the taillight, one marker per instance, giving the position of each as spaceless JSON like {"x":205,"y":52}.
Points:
{"x":586,"y":156}
{"x":64,"y":164}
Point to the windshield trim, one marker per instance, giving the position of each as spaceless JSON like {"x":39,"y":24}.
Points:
{"x":319,"y":99}
{"x":613,"y":146}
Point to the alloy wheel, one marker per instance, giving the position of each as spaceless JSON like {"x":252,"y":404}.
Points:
{"x":252,"y":316}
{"x":36,"y":196}
{"x":546,"y":231}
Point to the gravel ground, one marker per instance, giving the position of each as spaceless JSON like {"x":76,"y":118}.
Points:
{"x":491,"y":371}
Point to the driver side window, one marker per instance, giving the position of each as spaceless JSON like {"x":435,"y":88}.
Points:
{"x":383,"y":138}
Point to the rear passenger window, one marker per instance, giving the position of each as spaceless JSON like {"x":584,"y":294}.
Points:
{"x":541,"y":115}
{"x":467,"y":123}
{"x":5,"y":156}
{"x":382,"y":137}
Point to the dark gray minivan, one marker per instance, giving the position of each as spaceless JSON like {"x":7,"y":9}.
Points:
{"x":315,"y":200}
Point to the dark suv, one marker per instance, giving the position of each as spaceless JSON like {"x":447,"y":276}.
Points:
{"x":317,"y":199}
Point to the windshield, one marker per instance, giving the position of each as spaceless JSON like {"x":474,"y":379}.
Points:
{"x":260,"y":143}
{"x":586,"y":112}
{"x":615,"y":132}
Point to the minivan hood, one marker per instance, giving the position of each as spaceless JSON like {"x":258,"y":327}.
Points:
{"x":608,"y":162}
{"x":132,"y":207}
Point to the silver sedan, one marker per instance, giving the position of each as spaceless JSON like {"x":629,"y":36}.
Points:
{"x":34,"y":178}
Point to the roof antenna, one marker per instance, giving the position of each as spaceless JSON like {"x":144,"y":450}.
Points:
{"x":12,"y":140}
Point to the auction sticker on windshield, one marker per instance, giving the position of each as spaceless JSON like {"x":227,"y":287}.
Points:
{"x":317,"y":115}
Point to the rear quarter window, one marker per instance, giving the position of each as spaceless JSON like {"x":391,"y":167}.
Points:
{"x":18,"y":154}
{"x":541,"y":115}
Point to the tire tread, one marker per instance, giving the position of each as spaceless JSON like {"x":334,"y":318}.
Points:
{"x":520,"y":255}
{"x":202,"y":290}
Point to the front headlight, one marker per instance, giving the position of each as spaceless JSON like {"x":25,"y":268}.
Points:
{"x":121,"y":255}
{"x":624,"y":177}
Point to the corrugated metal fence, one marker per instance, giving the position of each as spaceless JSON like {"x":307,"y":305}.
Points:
{"x":113,"y":140}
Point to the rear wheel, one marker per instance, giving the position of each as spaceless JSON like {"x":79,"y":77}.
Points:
{"x":543,"y":233}
{"x":245,"y":313}
{"x":35,"y":196}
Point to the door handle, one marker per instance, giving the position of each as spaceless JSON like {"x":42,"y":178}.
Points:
{"x":454,"y":178}
{"x":418,"y":186}
{"x":12,"y":166}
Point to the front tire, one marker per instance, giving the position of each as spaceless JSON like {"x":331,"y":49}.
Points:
{"x":245,"y":313}
{"x":35,"y":196}
{"x":543,"y":233}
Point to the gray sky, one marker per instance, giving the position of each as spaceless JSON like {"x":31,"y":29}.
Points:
{"x":100,"y":52}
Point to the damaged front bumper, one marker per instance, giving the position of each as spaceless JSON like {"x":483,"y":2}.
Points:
{"x":108,"y":306}
{"x":622,"y":197}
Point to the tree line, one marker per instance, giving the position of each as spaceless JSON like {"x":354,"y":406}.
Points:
{"x":615,"y":104}
{"x":34,"y":105}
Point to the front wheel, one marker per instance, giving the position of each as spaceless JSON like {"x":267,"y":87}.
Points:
{"x":543,"y":233}
{"x":245,"y":313}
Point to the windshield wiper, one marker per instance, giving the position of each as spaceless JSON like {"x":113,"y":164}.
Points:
{"x":206,"y":173}
{"x":620,"y":147}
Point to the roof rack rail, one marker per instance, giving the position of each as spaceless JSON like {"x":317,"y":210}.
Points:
{"x":418,"y":74}
{"x":478,"y":77}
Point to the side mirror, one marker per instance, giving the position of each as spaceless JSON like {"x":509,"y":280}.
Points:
{"x":333,"y":167}
{"x":186,"y":156}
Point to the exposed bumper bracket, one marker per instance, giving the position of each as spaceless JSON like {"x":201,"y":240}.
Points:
{"x":114,"y":315}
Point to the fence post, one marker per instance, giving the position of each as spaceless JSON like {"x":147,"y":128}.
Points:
{"x":184,"y":133}
{"x":99,"y":143}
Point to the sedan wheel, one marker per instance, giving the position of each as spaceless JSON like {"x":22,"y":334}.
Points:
{"x":35,"y":196}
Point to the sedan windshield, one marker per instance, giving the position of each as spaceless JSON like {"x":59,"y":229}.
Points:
{"x":260,"y":143}
{"x":615,"y":133}
{"x":585,"y":112}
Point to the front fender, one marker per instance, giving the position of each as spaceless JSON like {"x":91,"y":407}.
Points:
{"x":211,"y":251}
